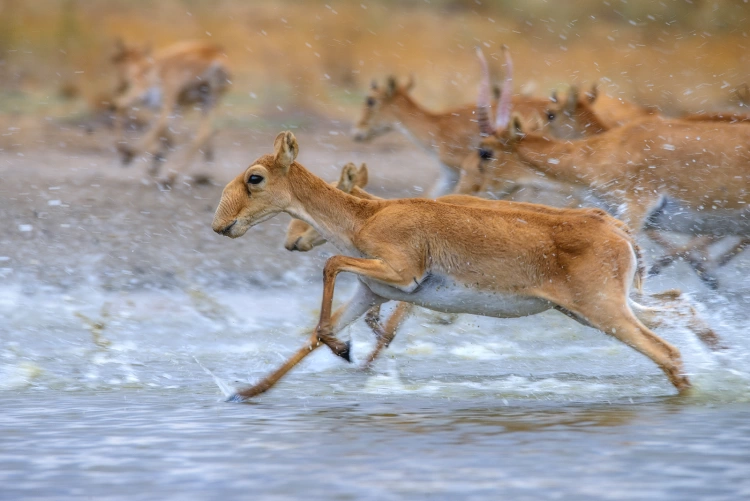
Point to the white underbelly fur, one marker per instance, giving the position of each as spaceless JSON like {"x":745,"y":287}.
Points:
{"x":446,"y":295}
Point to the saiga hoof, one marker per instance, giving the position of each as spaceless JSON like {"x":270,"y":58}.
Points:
{"x":345,"y":352}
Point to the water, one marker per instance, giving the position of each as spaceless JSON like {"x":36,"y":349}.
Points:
{"x":155,"y":445}
{"x":535,"y":408}
{"x":124,"y":321}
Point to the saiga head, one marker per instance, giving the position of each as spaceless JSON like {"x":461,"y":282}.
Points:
{"x":573,"y":116}
{"x":260,"y":192}
{"x":301,"y":236}
{"x":377,"y":114}
{"x":501,"y":135}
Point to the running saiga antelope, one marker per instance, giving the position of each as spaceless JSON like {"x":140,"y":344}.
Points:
{"x":503,"y":262}
{"x":450,"y":134}
{"x":576,"y":114}
{"x":300,"y":236}
{"x":689,"y":177}
{"x":186,"y":74}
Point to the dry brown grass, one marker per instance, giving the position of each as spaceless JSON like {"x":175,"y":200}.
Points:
{"x":320,"y":55}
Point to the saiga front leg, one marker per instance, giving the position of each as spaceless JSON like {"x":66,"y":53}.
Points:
{"x":369,"y":268}
{"x":362,"y":301}
{"x":151,"y":143}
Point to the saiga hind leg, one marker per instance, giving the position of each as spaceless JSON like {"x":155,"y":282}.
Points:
{"x":613,"y":316}
{"x":672,"y":302}
{"x":696,"y":245}
{"x":201,"y":140}
{"x":385,"y":334}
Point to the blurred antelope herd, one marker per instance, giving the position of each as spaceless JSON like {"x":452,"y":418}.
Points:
{"x":476,"y":245}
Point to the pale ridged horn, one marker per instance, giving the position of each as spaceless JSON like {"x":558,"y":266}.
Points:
{"x":504,"y":106}
{"x":484,"y":106}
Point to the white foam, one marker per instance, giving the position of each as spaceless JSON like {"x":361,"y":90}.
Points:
{"x":14,"y":377}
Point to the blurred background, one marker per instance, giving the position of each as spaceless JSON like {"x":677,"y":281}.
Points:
{"x":315,"y":58}
{"x":124,"y":317}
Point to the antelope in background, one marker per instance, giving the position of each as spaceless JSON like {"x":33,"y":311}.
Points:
{"x":504,"y":262}
{"x":578,"y":112}
{"x":450,"y":134}
{"x":665,"y":174}
{"x":186,"y":74}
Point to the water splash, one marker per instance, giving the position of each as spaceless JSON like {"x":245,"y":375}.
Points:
{"x":227,"y":389}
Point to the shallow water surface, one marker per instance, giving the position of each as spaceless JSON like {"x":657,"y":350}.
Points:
{"x":113,"y":396}
{"x":154,"y":445}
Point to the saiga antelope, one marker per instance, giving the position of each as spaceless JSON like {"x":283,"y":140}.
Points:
{"x":501,"y":262}
{"x":689,"y":177}
{"x":180,"y":75}
{"x":591,"y":112}
{"x":300,"y":236}
{"x":576,"y":113}
{"x":450,"y":134}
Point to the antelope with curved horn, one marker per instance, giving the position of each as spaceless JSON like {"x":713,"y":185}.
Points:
{"x":577,"y":115}
{"x":690,"y":177}
{"x":186,"y":74}
{"x":450,"y":134}
{"x":473,"y":174}
{"x":507,"y":261}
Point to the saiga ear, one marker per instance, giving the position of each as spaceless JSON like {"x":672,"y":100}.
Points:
{"x":515,"y":127}
{"x":363,"y":176}
{"x":391,"y":86}
{"x":593,"y":93}
{"x":348,"y":177}
{"x":572,"y":103}
{"x":285,"y":149}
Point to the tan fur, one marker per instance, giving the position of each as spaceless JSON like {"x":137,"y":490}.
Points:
{"x":185,"y":74}
{"x":577,"y":115}
{"x":385,"y":333}
{"x":496,"y":261}
{"x":614,"y":112}
{"x":300,"y":236}
{"x":582,"y":114}
{"x":634,"y":165}
{"x":702,"y":165}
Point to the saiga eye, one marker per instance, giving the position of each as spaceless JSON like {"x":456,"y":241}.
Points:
{"x":255,"y":179}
